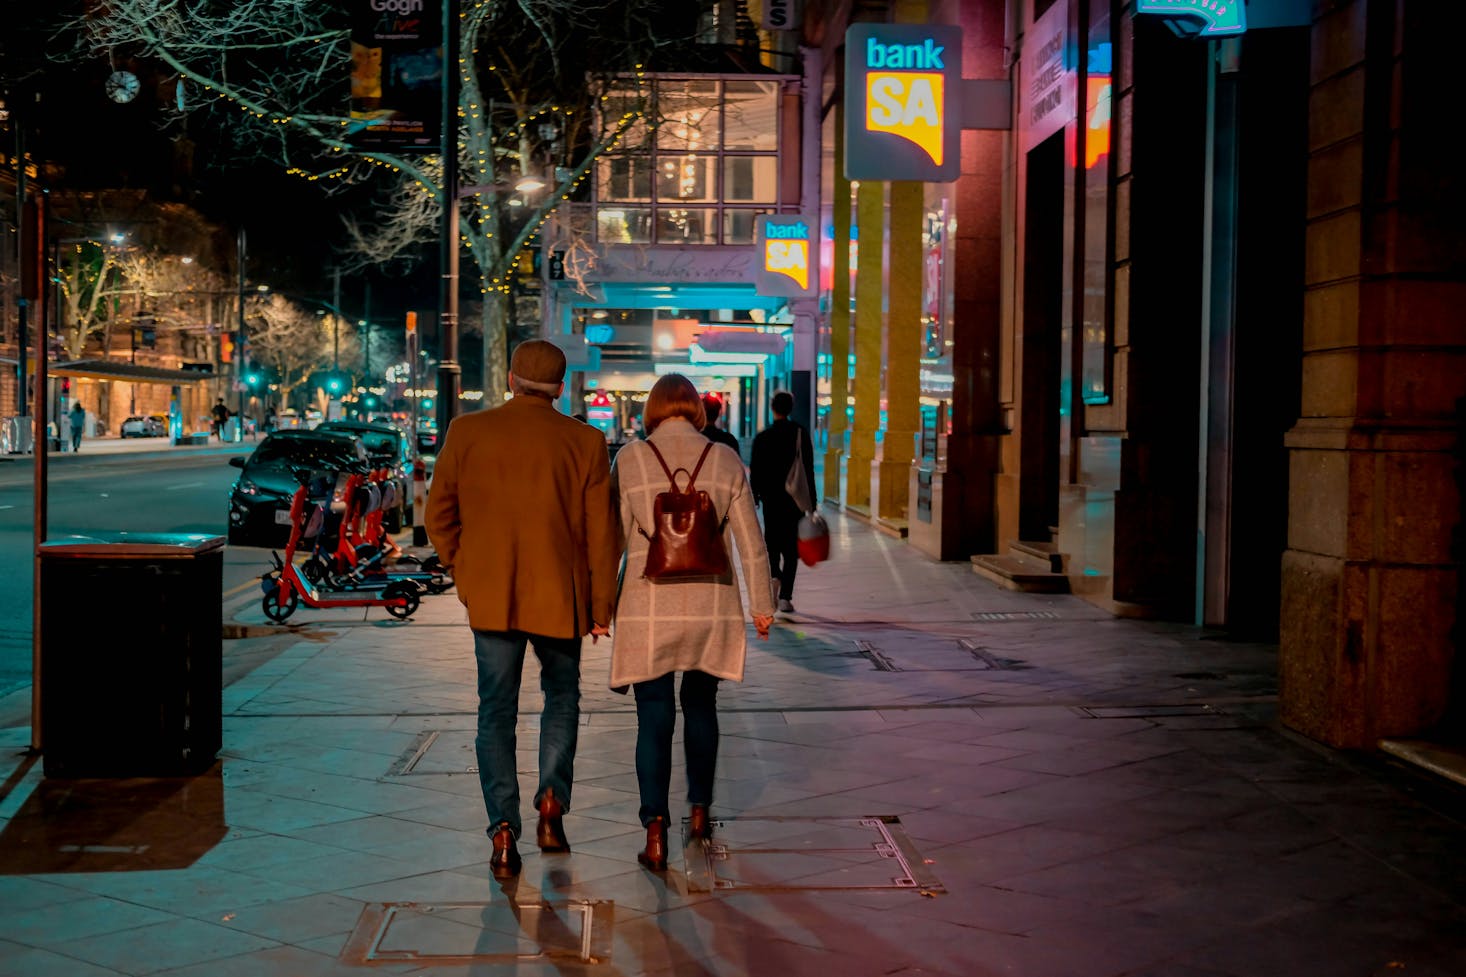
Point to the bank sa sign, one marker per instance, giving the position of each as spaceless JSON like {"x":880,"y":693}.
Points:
{"x":902,"y":119}
{"x":784,"y":245}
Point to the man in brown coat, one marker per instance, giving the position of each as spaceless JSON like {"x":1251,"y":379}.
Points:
{"x":520,"y":509}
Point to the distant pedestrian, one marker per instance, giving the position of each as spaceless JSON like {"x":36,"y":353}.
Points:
{"x":270,"y":421}
{"x":520,"y":512}
{"x":712,"y":406}
{"x":78,"y":424}
{"x":694,"y":625}
{"x":774,"y":451}
{"x":221,"y":415}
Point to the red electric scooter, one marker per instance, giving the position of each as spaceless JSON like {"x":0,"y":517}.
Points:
{"x":362,"y":557}
{"x":286,"y":587}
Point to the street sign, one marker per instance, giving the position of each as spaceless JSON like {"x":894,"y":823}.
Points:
{"x":784,"y":245}
{"x":903,"y":120}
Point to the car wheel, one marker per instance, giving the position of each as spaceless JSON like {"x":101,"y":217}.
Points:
{"x":238,"y":537}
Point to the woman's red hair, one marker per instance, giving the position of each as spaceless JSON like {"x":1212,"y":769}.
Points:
{"x":673,"y":396}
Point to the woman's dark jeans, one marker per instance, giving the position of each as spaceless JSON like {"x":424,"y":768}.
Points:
{"x":656,"y":718}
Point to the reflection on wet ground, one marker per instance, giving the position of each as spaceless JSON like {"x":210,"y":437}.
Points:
{"x":129,"y":825}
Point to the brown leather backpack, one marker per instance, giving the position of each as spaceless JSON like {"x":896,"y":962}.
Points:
{"x":687,"y":535}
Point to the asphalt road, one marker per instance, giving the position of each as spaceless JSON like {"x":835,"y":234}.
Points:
{"x":183,"y":493}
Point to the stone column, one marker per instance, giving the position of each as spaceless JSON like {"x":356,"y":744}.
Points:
{"x":1370,"y":586}
{"x":839,"y":314}
{"x":892,"y":473}
{"x":870,"y":218}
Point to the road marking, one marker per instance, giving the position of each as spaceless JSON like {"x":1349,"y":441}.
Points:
{"x":241,"y":588}
{"x":7,"y":507}
{"x":185,"y":485}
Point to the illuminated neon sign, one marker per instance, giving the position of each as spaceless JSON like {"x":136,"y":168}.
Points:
{"x":784,"y":244}
{"x":1219,"y":17}
{"x":902,"y":120}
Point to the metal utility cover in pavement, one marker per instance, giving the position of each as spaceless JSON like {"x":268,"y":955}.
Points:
{"x":783,"y":854}
{"x":1148,"y":712}
{"x":503,"y":933}
{"x":940,"y":655}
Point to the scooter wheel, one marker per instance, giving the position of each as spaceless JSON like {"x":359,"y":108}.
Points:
{"x":409,"y":594}
{"x":439,"y":585}
{"x":276,"y":611}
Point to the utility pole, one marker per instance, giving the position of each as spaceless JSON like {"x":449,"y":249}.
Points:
{"x":27,"y":253}
{"x":336,"y":322}
{"x":239,"y":340}
{"x":366,"y":343}
{"x":449,"y":369}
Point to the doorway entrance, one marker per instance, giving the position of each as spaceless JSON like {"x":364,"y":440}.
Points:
{"x":1043,"y":308}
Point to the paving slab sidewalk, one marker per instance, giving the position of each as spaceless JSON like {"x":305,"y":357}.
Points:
{"x":921,"y":774}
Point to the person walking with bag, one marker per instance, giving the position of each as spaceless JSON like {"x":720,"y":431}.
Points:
{"x":782,"y":472}
{"x":520,"y":512}
{"x":684,"y":505}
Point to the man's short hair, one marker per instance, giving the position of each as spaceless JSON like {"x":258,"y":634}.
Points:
{"x":538,"y":361}
{"x":783,"y":403}
{"x":521,"y":387}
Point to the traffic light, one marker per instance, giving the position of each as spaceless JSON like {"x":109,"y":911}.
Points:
{"x":333,"y":384}
{"x":226,"y":349}
{"x":427,"y":403}
{"x":253,"y":379}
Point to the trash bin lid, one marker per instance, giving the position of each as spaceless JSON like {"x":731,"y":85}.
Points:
{"x":153,"y":546}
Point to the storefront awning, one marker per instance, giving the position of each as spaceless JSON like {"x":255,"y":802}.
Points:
{"x":126,"y":372}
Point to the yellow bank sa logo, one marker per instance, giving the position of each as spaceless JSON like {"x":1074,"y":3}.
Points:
{"x":786,"y":251}
{"x":907,"y":103}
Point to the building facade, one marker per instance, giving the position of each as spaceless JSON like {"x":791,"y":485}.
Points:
{"x":1182,"y":338}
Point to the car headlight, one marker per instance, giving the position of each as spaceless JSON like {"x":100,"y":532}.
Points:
{"x":245,"y":487}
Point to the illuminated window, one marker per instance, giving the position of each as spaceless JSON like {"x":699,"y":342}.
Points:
{"x":703,"y":168}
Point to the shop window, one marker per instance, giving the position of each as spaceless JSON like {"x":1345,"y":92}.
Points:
{"x":738,"y":225}
{"x":687,"y":178}
{"x":715,"y":144}
{"x":751,"y":115}
{"x":624,"y":225}
{"x":751,"y":179}
{"x":678,"y":225}
{"x":625,"y":178}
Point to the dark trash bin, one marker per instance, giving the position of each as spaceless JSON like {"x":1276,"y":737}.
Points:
{"x":131,"y":654}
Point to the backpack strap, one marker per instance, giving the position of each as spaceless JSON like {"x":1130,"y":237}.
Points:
{"x":663,"y":462}
{"x":692,"y":479}
{"x":691,"y":476}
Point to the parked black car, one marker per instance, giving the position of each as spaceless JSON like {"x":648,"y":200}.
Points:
{"x":259,"y":502}
{"x":387,"y":446}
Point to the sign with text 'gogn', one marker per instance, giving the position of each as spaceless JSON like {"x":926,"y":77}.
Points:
{"x":784,"y":244}
{"x":902,"y":117}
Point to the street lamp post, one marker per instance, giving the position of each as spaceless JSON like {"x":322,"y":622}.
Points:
{"x":239,"y":340}
{"x":449,"y":369}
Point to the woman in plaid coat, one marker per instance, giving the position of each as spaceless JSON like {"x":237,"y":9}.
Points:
{"x":695,"y":625}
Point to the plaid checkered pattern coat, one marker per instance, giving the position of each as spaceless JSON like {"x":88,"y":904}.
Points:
{"x":677,"y":625}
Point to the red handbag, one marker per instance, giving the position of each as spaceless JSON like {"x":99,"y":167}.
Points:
{"x":687,"y":536}
{"x":814,"y":539}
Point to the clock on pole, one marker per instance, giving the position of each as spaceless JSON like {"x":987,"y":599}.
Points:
{"x":122,"y":86}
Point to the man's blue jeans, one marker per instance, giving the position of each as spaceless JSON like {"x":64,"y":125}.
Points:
{"x":500,"y":656}
{"x":656,"y":719}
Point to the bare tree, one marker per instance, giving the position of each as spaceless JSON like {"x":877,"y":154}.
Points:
{"x":529,"y":71}
{"x":290,"y":341}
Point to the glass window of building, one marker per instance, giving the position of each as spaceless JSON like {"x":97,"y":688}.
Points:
{"x":698,"y":168}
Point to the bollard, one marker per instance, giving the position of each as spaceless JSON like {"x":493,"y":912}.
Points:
{"x":419,"y":502}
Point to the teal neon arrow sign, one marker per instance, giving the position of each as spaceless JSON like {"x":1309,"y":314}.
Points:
{"x":1219,"y":18}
